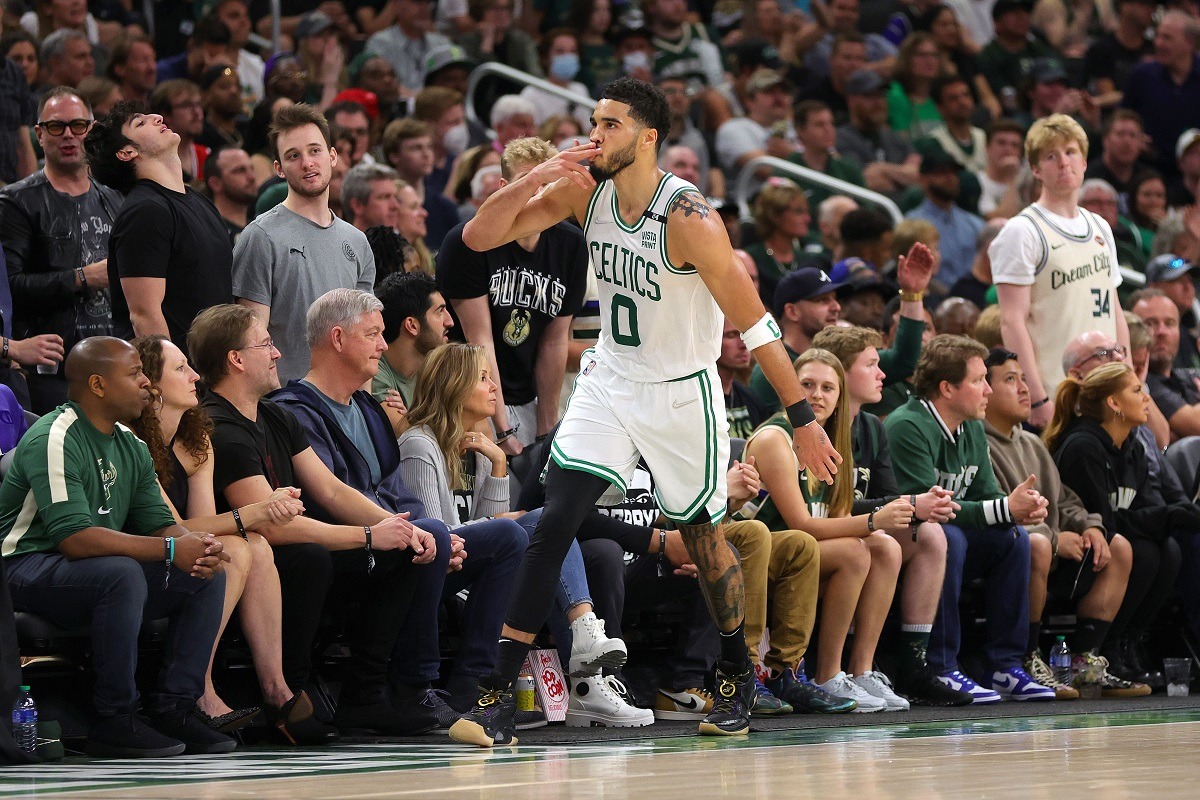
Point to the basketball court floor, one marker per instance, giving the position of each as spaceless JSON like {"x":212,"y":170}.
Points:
{"x":1152,"y":752}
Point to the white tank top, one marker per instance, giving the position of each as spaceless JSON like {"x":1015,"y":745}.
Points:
{"x":1072,"y":290}
{"x":658,"y":321}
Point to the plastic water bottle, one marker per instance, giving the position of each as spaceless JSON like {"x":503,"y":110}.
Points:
{"x":1060,"y":661}
{"x":24,"y":721}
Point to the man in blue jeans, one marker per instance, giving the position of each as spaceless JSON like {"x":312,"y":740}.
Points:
{"x":937,"y":437}
{"x":88,"y":541}
{"x":350,"y":432}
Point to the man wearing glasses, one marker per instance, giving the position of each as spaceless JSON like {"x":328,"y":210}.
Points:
{"x":54,"y":227}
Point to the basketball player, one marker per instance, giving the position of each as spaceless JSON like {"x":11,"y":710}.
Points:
{"x":649,"y":388}
{"x":1055,"y":265}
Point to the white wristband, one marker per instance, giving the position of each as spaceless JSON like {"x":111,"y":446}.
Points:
{"x":765,"y":331}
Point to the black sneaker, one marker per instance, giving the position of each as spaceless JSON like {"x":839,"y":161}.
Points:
{"x":435,"y":700}
{"x":414,"y":719}
{"x":805,"y":697}
{"x":296,"y":721}
{"x":732,"y":701}
{"x":188,"y":727}
{"x":490,"y":720}
{"x":922,"y":688}
{"x":129,"y":736}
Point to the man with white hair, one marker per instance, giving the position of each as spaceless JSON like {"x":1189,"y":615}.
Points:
{"x":829,"y":222}
{"x":67,"y":57}
{"x":512,"y":118}
{"x":683,"y":162}
{"x":369,"y":197}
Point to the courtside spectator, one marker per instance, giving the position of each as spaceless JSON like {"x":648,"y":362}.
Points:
{"x":66,"y":57}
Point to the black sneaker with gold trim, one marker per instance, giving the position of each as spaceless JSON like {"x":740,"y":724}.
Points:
{"x":732,"y":701}
{"x":490,"y":722}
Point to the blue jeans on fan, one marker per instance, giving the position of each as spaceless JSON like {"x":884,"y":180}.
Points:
{"x":999,"y":555}
{"x":494,"y":550}
{"x":113,"y":595}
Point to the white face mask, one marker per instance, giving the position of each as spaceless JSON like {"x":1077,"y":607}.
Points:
{"x":637,"y":59}
{"x":456,"y":139}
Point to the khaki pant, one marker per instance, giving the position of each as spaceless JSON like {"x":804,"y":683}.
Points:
{"x":782,"y":573}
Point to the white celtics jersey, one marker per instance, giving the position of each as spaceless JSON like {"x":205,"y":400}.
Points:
{"x":658,"y":321}
{"x":1074,"y":289}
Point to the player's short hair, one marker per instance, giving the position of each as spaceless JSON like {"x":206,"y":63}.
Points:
{"x":647,"y":104}
{"x":528,"y":151}
{"x":1053,"y":131}
{"x":1003,"y":126}
{"x":944,"y":359}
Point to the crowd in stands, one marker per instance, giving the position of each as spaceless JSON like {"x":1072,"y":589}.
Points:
{"x":248,"y":363}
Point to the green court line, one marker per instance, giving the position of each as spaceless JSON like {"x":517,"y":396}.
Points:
{"x":258,"y":764}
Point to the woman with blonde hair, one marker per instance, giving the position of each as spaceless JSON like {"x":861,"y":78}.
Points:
{"x":411,"y":225}
{"x":177,"y":432}
{"x":782,"y":219}
{"x":1091,"y":437}
{"x":860,"y":562}
{"x":449,"y":461}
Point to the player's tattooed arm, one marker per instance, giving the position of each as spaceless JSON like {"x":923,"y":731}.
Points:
{"x":690,"y":203}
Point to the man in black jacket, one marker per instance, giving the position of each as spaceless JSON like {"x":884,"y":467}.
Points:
{"x":54,"y":226}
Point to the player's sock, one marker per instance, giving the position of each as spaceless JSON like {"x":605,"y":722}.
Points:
{"x":733,"y":647}
{"x":1035,"y":634}
{"x":510,"y":655}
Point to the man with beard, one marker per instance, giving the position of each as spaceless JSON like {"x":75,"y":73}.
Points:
{"x":299,"y":250}
{"x":888,"y":161}
{"x":229,"y":176}
{"x":957,"y":229}
{"x":168,"y":255}
{"x":1173,"y":390}
{"x":415,"y":321}
{"x":54,"y":227}
{"x":1055,"y":265}
{"x":648,"y":390}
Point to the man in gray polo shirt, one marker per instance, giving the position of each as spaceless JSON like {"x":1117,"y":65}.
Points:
{"x":299,"y":250}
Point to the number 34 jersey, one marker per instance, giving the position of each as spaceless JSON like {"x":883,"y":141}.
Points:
{"x":1071,"y":268}
{"x":658,"y":321}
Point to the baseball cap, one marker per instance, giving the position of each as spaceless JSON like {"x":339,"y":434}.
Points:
{"x":1167,"y":267}
{"x":862,"y":277}
{"x":864,"y":81}
{"x":936,"y":161}
{"x":1047,"y":70}
{"x":803,"y":284}
{"x":755,"y":53}
{"x":368,"y":100}
{"x":447,"y":55}
{"x":762,"y":79}
{"x":312,"y":23}
{"x":214,"y":74}
{"x":1186,"y":140}
{"x":1002,"y":7}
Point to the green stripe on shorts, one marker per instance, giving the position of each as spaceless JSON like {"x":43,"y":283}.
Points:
{"x":710,"y":456}
{"x":566,"y":462}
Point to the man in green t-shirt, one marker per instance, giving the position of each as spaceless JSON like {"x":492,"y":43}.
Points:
{"x":415,"y":321}
{"x":88,"y":541}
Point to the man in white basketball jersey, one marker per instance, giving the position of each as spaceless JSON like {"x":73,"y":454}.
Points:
{"x":1055,"y":265}
{"x":649,"y":389}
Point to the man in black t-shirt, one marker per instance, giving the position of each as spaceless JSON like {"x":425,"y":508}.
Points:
{"x":169,"y":255}
{"x":1113,"y":55}
{"x":517,"y":302}
{"x":259,"y":447}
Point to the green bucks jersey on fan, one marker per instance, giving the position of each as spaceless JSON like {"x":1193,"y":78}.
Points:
{"x":658,"y":321}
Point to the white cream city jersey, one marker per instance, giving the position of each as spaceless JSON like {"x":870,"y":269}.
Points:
{"x":658,"y":321}
{"x":1074,"y":288}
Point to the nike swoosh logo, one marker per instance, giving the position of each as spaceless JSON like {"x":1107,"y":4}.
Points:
{"x":692,"y":704}
{"x":103,"y":510}
{"x":1056,"y":246}
{"x":682,"y":403}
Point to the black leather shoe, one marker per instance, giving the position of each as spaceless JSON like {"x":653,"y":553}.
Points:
{"x":129,"y":736}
